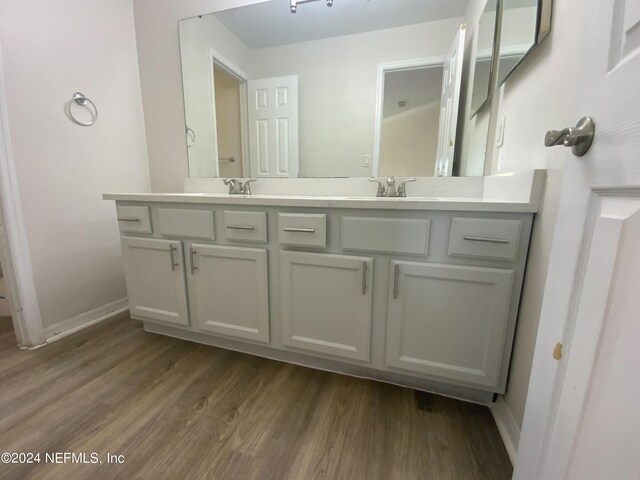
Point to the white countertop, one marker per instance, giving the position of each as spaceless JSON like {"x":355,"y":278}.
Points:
{"x":472,"y":204}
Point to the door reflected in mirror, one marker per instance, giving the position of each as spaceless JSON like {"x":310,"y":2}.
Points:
{"x":269,"y":93}
{"x":228,"y":122}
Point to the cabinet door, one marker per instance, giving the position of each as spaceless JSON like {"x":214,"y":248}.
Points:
{"x":326,"y":303}
{"x":448,"y":321}
{"x":229,"y":291}
{"x":156,"y":285}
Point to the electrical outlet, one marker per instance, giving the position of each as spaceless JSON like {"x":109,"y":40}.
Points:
{"x":500,"y":132}
{"x":366,"y":160}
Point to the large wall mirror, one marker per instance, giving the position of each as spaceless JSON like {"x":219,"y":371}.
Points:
{"x":357,"y":89}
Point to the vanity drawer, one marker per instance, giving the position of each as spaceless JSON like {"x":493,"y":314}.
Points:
{"x":245,"y":226}
{"x":182,"y":222}
{"x":485,"y":238}
{"x":134,"y":219}
{"x":386,"y":235}
{"x":302,"y":230}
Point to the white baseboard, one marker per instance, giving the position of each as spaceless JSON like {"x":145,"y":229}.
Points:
{"x":507,"y":426}
{"x":84,"y":320}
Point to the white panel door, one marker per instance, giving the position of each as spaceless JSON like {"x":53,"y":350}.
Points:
{"x":448,"y":321}
{"x":449,"y":103}
{"x":229,"y":291}
{"x":273,"y":126}
{"x":326,"y":303}
{"x":582,"y":419}
{"x":154,"y":271}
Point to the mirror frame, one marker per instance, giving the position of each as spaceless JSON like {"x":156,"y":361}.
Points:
{"x":492,"y":60}
{"x":543,"y":27}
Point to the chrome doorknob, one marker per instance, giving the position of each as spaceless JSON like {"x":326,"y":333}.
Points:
{"x":579,"y":138}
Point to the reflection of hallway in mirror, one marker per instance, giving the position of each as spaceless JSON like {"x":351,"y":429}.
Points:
{"x":229,"y":137}
{"x":410,"y":122}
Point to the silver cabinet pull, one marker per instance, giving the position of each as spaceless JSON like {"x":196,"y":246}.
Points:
{"x":241,"y":227}
{"x":299,"y":230}
{"x":128,"y":219}
{"x":172,"y":256}
{"x":364,"y":277}
{"x":192,"y":255}
{"x":471,"y":238}
{"x":396,"y":278}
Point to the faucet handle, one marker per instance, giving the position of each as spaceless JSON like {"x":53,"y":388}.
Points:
{"x":402,"y":188}
{"x":234,"y":185}
{"x":381,"y":188}
{"x":246,"y":189}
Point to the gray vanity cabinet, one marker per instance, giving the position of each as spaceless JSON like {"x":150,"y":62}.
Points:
{"x":326,"y":303}
{"x":154,"y":270}
{"x":228,"y":290}
{"x":448,"y":321}
{"x":427,"y":299}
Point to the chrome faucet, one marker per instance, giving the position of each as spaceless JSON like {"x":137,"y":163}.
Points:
{"x":388,"y":187}
{"x":236,"y":187}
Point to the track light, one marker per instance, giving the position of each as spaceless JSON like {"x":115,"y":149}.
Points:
{"x":294,"y":4}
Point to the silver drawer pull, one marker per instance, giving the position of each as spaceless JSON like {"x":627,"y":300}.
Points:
{"x":485,"y":239}
{"x":192,"y":255}
{"x":396,"y":275}
{"x":172,"y":257}
{"x":241,"y":227}
{"x":128,"y":219}
{"x":364,"y":277}
{"x":299,"y":230}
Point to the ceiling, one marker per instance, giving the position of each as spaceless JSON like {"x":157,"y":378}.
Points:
{"x":271,"y":23}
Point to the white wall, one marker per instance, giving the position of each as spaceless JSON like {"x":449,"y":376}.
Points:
{"x":51,"y":49}
{"x":533,"y":100}
{"x":159,"y":62}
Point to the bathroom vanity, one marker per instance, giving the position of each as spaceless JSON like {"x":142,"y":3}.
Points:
{"x":418,"y":291}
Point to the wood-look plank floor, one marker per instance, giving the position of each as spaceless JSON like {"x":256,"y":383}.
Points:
{"x":179,"y":410}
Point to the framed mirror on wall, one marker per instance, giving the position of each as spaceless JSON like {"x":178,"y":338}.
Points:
{"x":346,"y":91}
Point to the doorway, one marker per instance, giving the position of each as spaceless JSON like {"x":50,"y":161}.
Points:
{"x":410,"y":121}
{"x":228,"y":123}
{"x":408,"y":117}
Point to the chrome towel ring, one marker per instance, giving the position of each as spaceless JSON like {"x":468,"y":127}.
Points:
{"x":81,"y":99}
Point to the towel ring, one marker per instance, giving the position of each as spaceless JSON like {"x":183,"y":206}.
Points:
{"x":81,"y":99}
